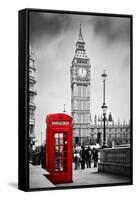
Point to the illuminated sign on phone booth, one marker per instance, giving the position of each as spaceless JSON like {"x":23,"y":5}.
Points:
{"x":59,"y":147}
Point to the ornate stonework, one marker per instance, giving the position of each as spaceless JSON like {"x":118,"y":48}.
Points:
{"x":32,"y":94}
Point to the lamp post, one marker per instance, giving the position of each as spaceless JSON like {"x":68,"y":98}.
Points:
{"x":41,"y":150}
{"x":64,"y":108}
{"x":104,"y":108}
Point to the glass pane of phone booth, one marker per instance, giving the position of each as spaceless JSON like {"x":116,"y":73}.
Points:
{"x":61,"y":152}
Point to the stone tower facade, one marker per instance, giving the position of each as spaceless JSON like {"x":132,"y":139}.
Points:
{"x":32,"y":94}
{"x":80,"y":92}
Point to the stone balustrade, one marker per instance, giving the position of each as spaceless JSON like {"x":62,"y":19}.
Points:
{"x":115,"y":160}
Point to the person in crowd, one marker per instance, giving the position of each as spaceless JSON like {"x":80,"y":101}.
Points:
{"x":83,"y":157}
{"x":43,"y":156}
{"x":95,"y":157}
{"x":88,"y":157}
{"x":77,"y":160}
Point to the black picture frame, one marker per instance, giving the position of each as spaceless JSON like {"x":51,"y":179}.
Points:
{"x":23,"y":132}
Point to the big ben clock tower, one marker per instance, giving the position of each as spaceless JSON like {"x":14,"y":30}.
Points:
{"x":80,"y":93}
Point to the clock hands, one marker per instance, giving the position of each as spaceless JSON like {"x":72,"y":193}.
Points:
{"x":82,"y":72}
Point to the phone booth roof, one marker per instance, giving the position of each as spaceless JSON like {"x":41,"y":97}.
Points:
{"x":58,"y":116}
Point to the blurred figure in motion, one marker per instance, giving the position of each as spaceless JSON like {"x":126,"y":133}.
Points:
{"x":83,"y":157}
{"x":95,"y":157}
{"x":77,"y":160}
{"x":88,"y":157}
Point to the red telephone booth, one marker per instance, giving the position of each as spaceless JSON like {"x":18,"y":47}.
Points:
{"x":59,"y":147}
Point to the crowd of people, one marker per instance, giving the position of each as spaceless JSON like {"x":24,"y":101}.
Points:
{"x":84,"y":158}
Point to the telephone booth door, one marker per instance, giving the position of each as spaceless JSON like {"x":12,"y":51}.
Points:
{"x":61,"y":151}
{"x":59,"y":147}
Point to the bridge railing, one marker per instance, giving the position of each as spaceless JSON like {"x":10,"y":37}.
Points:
{"x":115,"y":160}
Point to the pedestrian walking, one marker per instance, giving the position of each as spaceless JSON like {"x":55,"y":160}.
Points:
{"x":88,"y":157}
{"x":76,"y":160}
{"x":95,"y":157}
{"x":83,"y":157}
{"x":43,"y":156}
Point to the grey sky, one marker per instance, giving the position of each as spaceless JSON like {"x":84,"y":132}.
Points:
{"x":53,"y":38}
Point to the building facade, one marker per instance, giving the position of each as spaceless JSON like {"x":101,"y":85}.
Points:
{"x":32,"y":94}
{"x":117,"y":133}
{"x":80,"y":92}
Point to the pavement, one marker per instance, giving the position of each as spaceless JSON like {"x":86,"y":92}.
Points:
{"x":91,"y":176}
{"x":88,"y":176}
{"x":37,"y":178}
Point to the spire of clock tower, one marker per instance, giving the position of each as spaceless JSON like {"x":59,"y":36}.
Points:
{"x":80,"y":46}
{"x":80,"y":37}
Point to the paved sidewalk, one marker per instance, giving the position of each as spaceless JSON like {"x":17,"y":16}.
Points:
{"x":37,"y":178}
{"x":91,"y":176}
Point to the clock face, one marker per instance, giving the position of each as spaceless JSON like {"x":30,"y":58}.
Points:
{"x":82,"y":72}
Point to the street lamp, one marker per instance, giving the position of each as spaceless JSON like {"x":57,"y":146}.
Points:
{"x":104,"y":108}
{"x":64,"y":108}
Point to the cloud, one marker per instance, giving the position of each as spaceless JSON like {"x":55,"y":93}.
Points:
{"x":47,"y":25}
{"x":126,"y":61}
{"x":112,"y":29}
